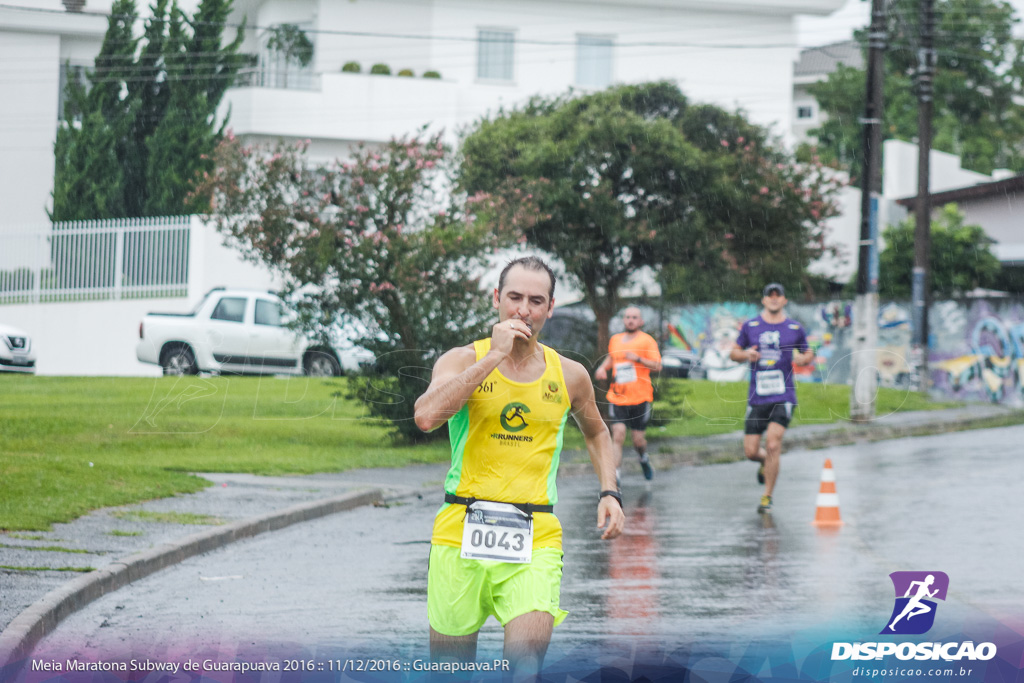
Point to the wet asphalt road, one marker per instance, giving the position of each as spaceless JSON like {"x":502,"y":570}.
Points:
{"x":697,"y":564}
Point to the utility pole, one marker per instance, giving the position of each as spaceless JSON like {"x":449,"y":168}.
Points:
{"x":920,"y":284}
{"x":863,"y":367}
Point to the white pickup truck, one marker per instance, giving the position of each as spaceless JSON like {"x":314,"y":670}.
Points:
{"x":239,"y":331}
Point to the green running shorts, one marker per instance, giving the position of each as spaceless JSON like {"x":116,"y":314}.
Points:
{"x":462,"y":593}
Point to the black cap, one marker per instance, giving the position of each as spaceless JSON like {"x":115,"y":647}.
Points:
{"x":774,"y":287}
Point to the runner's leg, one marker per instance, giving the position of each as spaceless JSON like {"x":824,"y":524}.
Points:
{"x":752,"y":448}
{"x":526,"y":642}
{"x":618,"y":438}
{"x":773,"y":449}
{"x":452,"y":648}
{"x":639,"y":441}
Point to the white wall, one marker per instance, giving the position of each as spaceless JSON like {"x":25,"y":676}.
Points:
{"x":214,"y":263}
{"x":29,"y":74}
{"x":900,"y":177}
{"x":32,"y":49}
{"x":844,"y":233}
{"x":88,"y":337}
{"x":1002,"y":217}
{"x":99,"y":337}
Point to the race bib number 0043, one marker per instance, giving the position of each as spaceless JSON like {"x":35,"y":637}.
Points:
{"x":497,"y":531}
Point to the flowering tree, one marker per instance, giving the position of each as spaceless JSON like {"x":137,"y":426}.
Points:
{"x":379,"y":243}
{"x":636,"y":176}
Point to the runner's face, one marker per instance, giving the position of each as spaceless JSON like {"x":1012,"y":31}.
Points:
{"x":526,"y":297}
{"x":632,"y":320}
{"x":774,"y":302}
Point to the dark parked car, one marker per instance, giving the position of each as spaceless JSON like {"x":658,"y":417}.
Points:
{"x":679,"y":363}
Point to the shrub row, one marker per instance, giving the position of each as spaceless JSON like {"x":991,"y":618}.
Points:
{"x":385,"y":70}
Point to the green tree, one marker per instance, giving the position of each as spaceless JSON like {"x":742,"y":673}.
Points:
{"x":636,"y":176}
{"x":132,"y":145}
{"x":291,"y":42}
{"x":979,"y":72}
{"x":379,"y":244}
{"x":960,"y":257}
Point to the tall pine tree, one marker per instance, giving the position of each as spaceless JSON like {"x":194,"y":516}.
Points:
{"x":133,"y":145}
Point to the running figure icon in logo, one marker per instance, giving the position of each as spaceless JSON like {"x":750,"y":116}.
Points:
{"x":915,"y":588}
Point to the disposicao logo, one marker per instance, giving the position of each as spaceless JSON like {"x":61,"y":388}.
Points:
{"x":916,"y":593}
{"x":913,"y":614}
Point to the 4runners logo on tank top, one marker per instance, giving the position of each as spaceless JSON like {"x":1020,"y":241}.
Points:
{"x":513,"y":417}
{"x":513,"y":420}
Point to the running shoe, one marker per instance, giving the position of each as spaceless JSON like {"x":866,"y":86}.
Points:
{"x":760,"y":474}
{"x":766,"y":504}
{"x":645,"y":463}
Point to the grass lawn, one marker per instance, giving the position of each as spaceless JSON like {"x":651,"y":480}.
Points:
{"x":75,"y":444}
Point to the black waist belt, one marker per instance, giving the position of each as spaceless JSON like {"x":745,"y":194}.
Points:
{"x":525,"y":507}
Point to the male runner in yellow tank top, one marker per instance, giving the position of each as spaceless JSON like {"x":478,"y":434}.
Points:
{"x":496,"y":549}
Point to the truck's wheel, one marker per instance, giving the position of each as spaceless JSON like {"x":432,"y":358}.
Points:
{"x":321,"y":364}
{"x":179,"y":361}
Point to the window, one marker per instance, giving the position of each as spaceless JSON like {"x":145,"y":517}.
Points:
{"x":495,"y":53}
{"x":594,"y":61}
{"x":805,"y":112}
{"x":230,"y":309}
{"x":280,"y":59}
{"x":268,"y":313}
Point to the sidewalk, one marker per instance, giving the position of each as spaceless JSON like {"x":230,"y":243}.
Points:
{"x":128,"y":543}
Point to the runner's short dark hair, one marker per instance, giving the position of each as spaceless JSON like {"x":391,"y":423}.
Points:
{"x":530,"y":263}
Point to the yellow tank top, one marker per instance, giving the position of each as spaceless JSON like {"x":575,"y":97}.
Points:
{"x":506,"y":443}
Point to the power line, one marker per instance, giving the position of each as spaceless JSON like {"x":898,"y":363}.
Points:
{"x":429,"y":37}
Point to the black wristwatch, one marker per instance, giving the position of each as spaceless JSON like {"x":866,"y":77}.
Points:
{"x":617,"y":495}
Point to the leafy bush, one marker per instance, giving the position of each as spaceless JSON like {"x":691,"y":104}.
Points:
{"x":380,"y":242}
{"x":352,"y":68}
{"x":408,"y":73}
{"x":380,"y":69}
{"x":431,"y":74}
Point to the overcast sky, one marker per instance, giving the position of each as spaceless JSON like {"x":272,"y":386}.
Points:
{"x":854,"y":14}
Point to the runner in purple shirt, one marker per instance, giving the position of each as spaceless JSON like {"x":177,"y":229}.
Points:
{"x":772,"y":344}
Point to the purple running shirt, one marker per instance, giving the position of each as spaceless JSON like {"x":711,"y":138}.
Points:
{"x":771,"y":378}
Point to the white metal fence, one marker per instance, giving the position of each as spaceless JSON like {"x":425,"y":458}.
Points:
{"x":129,"y":258}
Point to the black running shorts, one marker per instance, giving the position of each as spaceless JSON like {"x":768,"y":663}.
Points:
{"x":635,"y":417}
{"x":759,"y":416}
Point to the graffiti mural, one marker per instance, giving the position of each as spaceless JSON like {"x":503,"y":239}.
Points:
{"x":987,"y":362}
{"x":711,"y":330}
{"x":976,"y":348}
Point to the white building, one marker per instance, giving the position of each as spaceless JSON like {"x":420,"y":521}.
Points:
{"x":995,"y":202}
{"x":735,"y":53}
{"x":814,"y":65}
{"x":738,"y":54}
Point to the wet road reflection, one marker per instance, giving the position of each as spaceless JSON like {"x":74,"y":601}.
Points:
{"x":632,"y":596}
{"x":698,"y":567}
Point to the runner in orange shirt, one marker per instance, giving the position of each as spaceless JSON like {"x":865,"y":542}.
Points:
{"x":632,"y":355}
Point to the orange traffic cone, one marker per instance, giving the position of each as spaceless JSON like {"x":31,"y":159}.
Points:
{"x":827,"y":513}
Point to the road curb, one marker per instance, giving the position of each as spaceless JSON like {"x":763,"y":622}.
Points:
{"x":40,"y":619}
